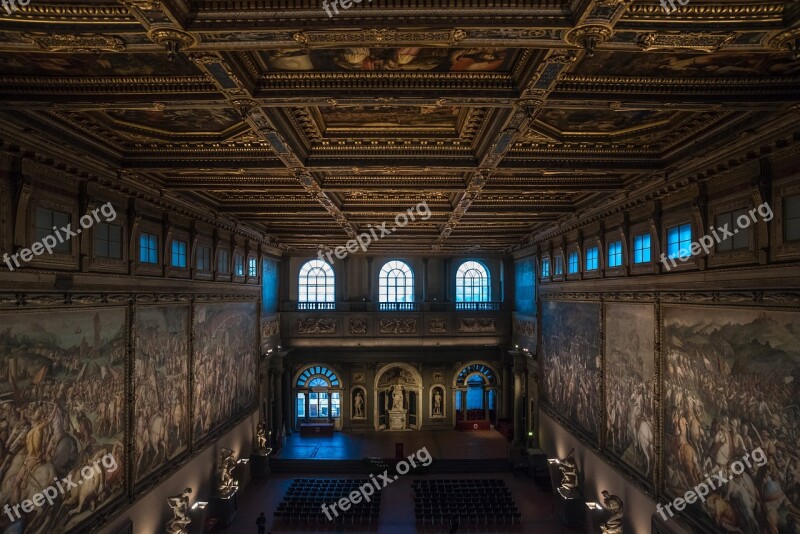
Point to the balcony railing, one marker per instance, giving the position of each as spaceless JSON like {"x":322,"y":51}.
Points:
{"x":477,"y":306}
{"x":303,"y":306}
{"x":398,"y":306}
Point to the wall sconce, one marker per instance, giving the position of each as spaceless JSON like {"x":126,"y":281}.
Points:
{"x":593,"y":506}
{"x":553,"y":460}
{"x":199,"y":505}
{"x":243,"y":461}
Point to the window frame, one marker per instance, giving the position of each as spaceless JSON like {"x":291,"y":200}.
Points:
{"x":484,"y":288}
{"x":329,"y":287}
{"x":592,"y":254}
{"x":640,"y":251}
{"x":617,"y":253}
{"x":408,"y":287}
{"x":573,"y":254}
{"x":182,"y":253}
{"x":95,"y":238}
{"x":151,"y":249}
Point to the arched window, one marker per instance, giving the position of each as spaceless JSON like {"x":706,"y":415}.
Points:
{"x":316,"y":282}
{"x":317,"y":394}
{"x":396,"y":283}
{"x":472,"y":283}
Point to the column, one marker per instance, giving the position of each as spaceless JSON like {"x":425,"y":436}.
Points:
{"x":287,"y":402}
{"x":506,"y":399}
{"x":519,"y":370}
{"x":276,"y":369}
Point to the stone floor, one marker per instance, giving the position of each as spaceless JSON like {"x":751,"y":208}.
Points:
{"x":450,"y":444}
{"x":397,"y":505}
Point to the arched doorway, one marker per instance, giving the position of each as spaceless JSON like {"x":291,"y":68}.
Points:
{"x":398,"y":397}
{"x":317,"y":396}
{"x":476,"y":400}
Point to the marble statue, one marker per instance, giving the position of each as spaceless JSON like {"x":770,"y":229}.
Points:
{"x":359,"y":405}
{"x":225,"y":467}
{"x":261,"y":435}
{"x":614,"y":505}
{"x":179,"y":524}
{"x":397,"y":398}
{"x":569,"y":470}
{"x":437,"y":403}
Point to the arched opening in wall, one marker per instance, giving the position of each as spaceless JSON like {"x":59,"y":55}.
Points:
{"x":398,"y":398}
{"x":317,"y":398}
{"x":476,"y":397}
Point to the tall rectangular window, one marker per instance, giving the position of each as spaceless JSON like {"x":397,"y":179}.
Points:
{"x":591,"y":258}
{"x":178,"y":256}
{"x":559,"y":265}
{"x":679,"y":241}
{"x":203,"y":258}
{"x":238,"y":265}
{"x":252,"y":265}
{"x":222,"y":261}
{"x":615,"y":254}
{"x":46,"y":219}
{"x":148,"y":248}
{"x":740,"y":238}
{"x":336,"y":404}
{"x":107,"y":240}
{"x":545,"y":268}
{"x":641,"y":248}
{"x":301,"y":405}
{"x":572,"y":262}
{"x":791,"y":218}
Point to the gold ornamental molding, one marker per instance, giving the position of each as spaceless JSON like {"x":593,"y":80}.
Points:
{"x":54,"y":42}
{"x":700,"y":42}
{"x":589,"y":36}
{"x":379,"y":37}
{"x":788,"y":40}
{"x":172,"y":39}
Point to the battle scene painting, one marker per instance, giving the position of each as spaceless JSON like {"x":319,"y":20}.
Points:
{"x":161,"y":383}
{"x":62,"y":408}
{"x":571,"y":363}
{"x":225,"y":364}
{"x":731,"y":391}
{"x":630,"y":380}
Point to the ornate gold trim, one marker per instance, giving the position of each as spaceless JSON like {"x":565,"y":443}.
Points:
{"x":702,"y":42}
{"x":379,"y":37}
{"x":61,"y":42}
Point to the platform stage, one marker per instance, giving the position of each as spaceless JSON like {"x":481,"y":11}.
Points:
{"x":443,"y":444}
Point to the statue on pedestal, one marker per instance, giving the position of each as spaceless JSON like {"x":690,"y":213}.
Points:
{"x":261,"y":435}
{"x":437,"y":402}
{"x":359,"y":405}
{"x":397,"y":398}
{"x":569,"y":470}
{"x":225,"y":467}
{"x":179,"y":524}
{"x":614,"y":505}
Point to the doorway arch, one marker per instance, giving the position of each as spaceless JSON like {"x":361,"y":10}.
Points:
{"x":475,"y":399}
{"x":317,"y":396}
{"x":396,"y":382}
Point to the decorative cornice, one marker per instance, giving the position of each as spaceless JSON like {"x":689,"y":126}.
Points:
{"x":54,"y":42}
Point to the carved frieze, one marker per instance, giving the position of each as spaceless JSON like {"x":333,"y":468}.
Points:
{"x":316,"y":326}
{"x":437,"y":326}
{"x":75,"y":43}
{"x":477,"y":326}
{"x":358,"y":327}
{"x":398,"y":326}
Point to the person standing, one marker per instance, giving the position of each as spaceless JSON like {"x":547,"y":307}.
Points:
{"x":261,"y":523}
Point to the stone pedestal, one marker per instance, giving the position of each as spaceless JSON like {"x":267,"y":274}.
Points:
{"x":225,"y":508}
{"x":259,"y":463}
{"x":571,"y":507}
{"x":397,"y":419}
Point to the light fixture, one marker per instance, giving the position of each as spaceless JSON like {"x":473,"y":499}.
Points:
{"x":243,"y":461}
{"x":593,"y":506}
{"x":200,"y":505}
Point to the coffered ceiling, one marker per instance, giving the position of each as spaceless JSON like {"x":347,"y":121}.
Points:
{"x":505,"y":118}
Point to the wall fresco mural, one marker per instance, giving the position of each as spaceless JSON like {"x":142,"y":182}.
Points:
{"x":62,"y":407}
{"x":571,"y":363}
{"x":161,"y":386}
{"x":225,"y":364}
